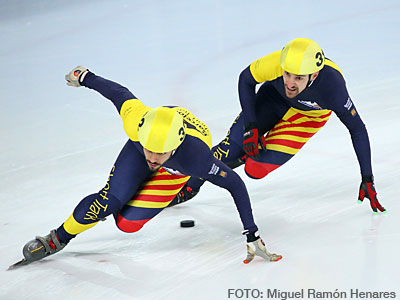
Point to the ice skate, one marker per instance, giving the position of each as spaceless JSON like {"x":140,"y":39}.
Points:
{"x":41,"y":247}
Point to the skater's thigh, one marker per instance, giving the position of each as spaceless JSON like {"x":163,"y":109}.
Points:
{"x":128,"y":173}
{"x":152,"y":197}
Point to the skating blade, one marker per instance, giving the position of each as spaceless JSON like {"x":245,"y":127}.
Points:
{"x":18,"y":264}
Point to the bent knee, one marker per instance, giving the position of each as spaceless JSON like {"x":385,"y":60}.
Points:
{"x":129,"y":226}
{"x":258,"y":170}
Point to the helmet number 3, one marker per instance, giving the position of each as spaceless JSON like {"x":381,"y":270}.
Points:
{"x":141,"y":122}
{"x":181,"y":134}
{"x":320,"y":59}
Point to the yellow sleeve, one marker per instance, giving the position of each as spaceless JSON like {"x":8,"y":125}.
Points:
{"x":131,"y":113}
{"x":267,"y":68}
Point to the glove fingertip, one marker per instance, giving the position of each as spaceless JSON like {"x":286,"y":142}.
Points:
{"x":359,"y":201}
{"x":246,"y":261}
{"x":279,"y":257}
{"x":381,"y":208}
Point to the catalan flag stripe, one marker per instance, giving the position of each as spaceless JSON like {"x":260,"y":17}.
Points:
{"x":169,"y":187}
{"x":287,"y":143}
{"x":283,"y":149}
{"x":290,"y":134}
{"x":168,"y":181}
{"x":159,"y":192}
{"x":155,"y":198}
{"x":298,"y":116}
{"x":295,"y":128}
{"x":150,"y":204}
{"x":307,"y":124}
{"x":303,"y":119}
{"x":288,"y":137}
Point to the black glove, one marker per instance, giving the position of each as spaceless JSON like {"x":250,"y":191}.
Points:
{"x":367,"y":189}
{"x":256,"y":246}
{"x":185,"y":194}
{"x":251,"y":139}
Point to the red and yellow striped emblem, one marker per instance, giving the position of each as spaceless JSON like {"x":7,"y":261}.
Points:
{"x":159,"y":190}
{"x":151,"y":198}
{"x":295,"y":129}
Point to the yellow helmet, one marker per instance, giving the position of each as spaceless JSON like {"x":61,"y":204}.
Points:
{"x":302,"y":56}
{"x":161,"y":130}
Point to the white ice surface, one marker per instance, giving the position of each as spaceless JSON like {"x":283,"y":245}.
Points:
{"x":58,"y":144}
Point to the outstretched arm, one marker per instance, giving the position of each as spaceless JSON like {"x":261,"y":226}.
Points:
{"x":116,"y":93}
{"x":206,"y":166}
{"x":223,"y":176}
{"x":348,"y":115}
{"x":359,"y":137}
{"x":129,"y":107}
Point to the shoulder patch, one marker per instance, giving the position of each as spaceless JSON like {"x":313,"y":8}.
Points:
{"x":214,"y":169}
{"x":348,"y":104}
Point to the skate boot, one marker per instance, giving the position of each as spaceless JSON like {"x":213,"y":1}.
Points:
{"x":42,"y":247}
{"x":185,"y":194}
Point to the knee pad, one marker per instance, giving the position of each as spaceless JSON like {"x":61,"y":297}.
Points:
{"x":258,"y":170}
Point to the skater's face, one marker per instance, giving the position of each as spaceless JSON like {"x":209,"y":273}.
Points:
{"x":156,"y":160}
{"x":295,"y":84}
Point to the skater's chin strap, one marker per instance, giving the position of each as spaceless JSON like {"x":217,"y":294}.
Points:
{"x":310,"y":82}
